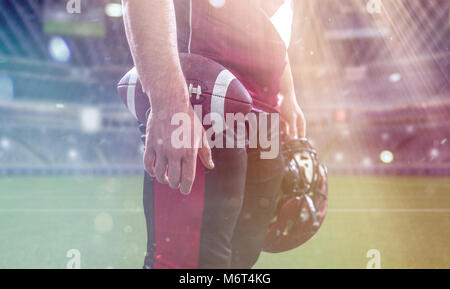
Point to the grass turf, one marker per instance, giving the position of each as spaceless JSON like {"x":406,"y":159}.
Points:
{"x":407,"y":219}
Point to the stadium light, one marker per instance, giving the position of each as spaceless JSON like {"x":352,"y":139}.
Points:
{"x":387,"y":157}
{"x":114,"y":10}
{"x":59,"y":49}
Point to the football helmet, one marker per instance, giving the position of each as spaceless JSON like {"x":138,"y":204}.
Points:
{"x":302,"y":201}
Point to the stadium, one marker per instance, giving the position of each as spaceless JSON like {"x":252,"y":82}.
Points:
{"x":374,"y":86}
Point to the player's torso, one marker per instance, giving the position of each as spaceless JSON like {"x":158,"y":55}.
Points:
{"x":240,"y":35}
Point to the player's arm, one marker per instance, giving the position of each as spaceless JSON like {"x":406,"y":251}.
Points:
{"x":293,"y":119}
{"x":151,"y":31}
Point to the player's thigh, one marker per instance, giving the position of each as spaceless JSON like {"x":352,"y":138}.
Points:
{"x":224,"y":196}
{"x":263,"y":183}
{"x":195,"y":230}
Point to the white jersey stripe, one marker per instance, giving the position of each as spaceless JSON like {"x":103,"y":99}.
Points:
{"x":190,"y":26}
{"x":131,"y":93}
{"x":220,"y":91}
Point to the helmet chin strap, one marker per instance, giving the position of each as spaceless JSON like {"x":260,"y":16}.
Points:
{"x":312,"y":209}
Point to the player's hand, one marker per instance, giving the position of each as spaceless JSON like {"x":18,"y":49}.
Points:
{"x":162,"y":160}
{"x":293,"y":123}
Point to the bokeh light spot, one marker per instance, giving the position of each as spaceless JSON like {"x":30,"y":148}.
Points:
{"x":434,"y":153}
{"x":5,"y":143}
{"x":217,"y":3}
{"x":59,"y":49}
{"x":114,"y":10}
{"x":395,"y":77}
{"x":387,"y":157}
{"x":90,"y":120}
{"x":72,"y":154}
{"x":339,"y":157}
{"x":367,"y":162}
{"x":103,"y":223}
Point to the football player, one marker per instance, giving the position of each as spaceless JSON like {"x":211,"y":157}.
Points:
{"x":210,"y":208}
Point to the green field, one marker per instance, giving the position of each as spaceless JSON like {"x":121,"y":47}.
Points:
{"x":406,"y":219}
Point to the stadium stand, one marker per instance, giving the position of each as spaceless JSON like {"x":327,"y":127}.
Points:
{"x":376,"y":103}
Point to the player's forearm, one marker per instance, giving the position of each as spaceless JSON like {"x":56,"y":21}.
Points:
{"x":151,"y":31}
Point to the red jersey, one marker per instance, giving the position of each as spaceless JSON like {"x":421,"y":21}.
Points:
{"x":240,"y":35}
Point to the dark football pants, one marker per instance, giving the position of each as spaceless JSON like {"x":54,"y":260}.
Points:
{"x":222,"y":223}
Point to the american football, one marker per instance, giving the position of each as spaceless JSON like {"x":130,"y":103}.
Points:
{"x":210,"y":85}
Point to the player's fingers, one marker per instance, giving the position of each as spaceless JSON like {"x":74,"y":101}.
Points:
{"x":188,"y":167}
{"x":161,"y":168}
{"x":284,"y":127}
{"x":205,"y":154}
{"x":301,"y":125}
{"x":174,"y":173}
{"x":149,"y":161}
{"x":293,"y":129}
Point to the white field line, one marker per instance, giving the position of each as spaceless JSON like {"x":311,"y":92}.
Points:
{"x":389,"y":183}
{"x":389,"y":210}
{"x":71,"y":210}
{"x":138,"y":210}
{"x":36,"y":197}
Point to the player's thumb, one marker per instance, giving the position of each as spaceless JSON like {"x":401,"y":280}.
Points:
{"x":205,"y":154}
